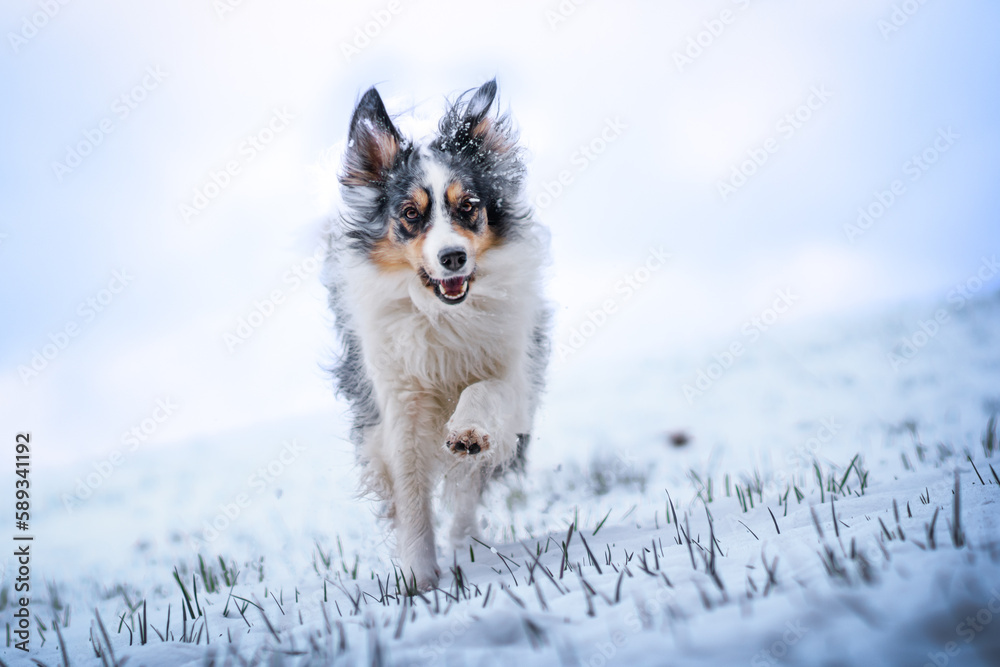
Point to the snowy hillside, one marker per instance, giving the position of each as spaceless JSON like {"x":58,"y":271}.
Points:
{"x":827,"y":509}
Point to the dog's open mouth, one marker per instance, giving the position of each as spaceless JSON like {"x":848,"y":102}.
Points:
{"x":449,"y":290}
{"x":452,"y":290}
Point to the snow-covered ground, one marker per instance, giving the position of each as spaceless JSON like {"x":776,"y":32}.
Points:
{"x":774,"y":236}
{"x":617,"y":546}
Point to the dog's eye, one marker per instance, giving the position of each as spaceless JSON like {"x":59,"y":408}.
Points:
{"x":467,"y":205}
{"x":411,"y":213}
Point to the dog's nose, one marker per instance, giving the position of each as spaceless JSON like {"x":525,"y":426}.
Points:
{"x":452,"y":259}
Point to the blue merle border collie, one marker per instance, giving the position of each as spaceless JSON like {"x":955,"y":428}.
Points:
{"x":434,"y":275}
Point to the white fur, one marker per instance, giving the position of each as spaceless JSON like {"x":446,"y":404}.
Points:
{"x":441,"y":234}
{"x":442,"y":370}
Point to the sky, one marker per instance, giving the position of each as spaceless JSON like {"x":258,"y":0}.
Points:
{"x":164,"y":171}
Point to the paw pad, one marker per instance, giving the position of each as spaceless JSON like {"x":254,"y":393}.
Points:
{"x":470,"y":441}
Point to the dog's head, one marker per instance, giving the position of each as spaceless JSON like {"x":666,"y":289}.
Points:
{"x":432,"y":209}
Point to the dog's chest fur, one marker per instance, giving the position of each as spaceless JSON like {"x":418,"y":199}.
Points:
{"x":413,"y":342}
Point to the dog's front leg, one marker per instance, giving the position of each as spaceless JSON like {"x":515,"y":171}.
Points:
{"x":411,"y":461}
{"x":486,"y":420}
{"x":483,"y":427}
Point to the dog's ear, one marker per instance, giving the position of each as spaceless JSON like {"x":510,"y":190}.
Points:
{"x":373,"y":143}
{"x":468,"y":128}
{"x":479,"y":107}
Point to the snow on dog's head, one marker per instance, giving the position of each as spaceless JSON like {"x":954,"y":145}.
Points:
{"x":433,"y":208}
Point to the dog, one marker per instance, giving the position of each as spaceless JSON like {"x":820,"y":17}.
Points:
{"x":434,"y":274}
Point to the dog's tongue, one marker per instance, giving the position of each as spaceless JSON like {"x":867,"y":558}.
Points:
{"x":453,"y":286}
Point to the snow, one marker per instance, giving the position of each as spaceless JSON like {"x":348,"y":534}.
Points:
{"x":898,"y":601}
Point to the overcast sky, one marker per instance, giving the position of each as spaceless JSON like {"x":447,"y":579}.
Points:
{"x":164,"y":169}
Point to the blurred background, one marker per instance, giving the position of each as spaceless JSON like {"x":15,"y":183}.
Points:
{"x":165,"y":170}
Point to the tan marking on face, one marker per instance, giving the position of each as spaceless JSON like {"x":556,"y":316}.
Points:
{"x":390,"y":254}
{"x":454,"y":195}
{"x":480,"y":241}
{"x":420,"y":198}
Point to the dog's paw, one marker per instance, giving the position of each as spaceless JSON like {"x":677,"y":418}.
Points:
{"x":468,"y":441}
